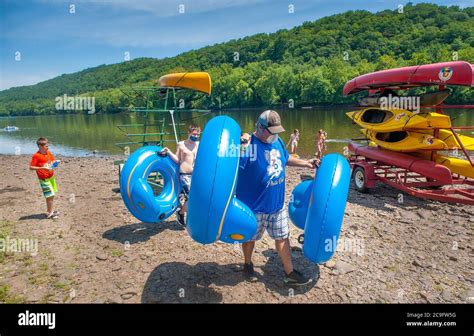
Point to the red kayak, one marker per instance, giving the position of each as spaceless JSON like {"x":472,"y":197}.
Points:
{"x":442,"y":74}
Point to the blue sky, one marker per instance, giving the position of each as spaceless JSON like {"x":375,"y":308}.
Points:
{"x":52,"y":41}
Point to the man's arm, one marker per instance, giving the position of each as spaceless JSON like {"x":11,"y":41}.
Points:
{"x":292,"y":161}
{"x":174,"y":157}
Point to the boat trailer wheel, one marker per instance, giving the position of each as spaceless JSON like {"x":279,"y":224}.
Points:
{"x":301,"y":239}
{"x":360,"y":180}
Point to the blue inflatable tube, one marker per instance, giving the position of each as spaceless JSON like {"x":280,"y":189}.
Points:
{"x":317,"y":207}
{"x":213,"y":211}
{"x":137,"y":193}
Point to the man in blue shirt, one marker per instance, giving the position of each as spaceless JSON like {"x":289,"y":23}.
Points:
{"x":261,"y":186}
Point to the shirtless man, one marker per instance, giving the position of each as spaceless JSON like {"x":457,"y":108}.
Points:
{"x":185,"y":157}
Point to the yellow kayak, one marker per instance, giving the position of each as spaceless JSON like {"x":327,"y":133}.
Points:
{"x":458,"y":166}
{"x":405,"y":141}
{"x":198,"y":81}
{"x":380,"y":120}
{"x":448,"y":137}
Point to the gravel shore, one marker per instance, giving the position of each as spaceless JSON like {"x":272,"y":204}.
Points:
{"x":96,"y":251}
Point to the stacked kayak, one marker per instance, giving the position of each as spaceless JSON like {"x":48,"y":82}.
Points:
{"x":448,"y":137}
{"x":376,"y":119}
{"x":417,"y":134}
{"x":455,"y":165}
{"x":405,"y":141}
{"x":402,"y":130}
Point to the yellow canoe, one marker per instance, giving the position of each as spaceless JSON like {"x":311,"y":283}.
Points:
{"x":448,"y":137}
{"x":405,"y":141}
{"x":458,"y":166}
{"x":380,"y":120}
{"x":198,"y":81}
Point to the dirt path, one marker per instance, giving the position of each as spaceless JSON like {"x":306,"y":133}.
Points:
{"x":96,"y":251}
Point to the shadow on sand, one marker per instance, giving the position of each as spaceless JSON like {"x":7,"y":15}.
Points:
{"x":34,"y":216}
{"x":272,"y":273}
{"x":382,"y":195}
{"x":178,"y":282}
{"x":139,"y":232}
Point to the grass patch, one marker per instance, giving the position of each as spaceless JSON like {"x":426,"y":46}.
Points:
{"x":41,"y":276}
{"x":5,"y":230}
{"x":63,"y":285}
{"x":46,"y":298}
{"x":393,"y":268}
{"x":116,"y":253}
{"x":28,"y":262}
{"x":438,"y":288}
{"x":70,"y":266}
{"x":26,"y":259}
{"x":6,"y":297}
{"x":43,"y":267}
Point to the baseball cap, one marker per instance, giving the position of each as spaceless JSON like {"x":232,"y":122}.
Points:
{"x":271,"y":121}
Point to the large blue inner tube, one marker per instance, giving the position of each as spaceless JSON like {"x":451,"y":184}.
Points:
{"x":318,"y":207}
{"x":137,"y":193}
{"x":213,"y":211}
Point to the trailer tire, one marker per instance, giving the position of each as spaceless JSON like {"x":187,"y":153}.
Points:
{"x":360,"y":180}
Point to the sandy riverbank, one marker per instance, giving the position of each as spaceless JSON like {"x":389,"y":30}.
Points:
{"x":96,"y":251}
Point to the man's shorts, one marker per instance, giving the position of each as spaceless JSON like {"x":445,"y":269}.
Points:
{"x":185,"y":180}
{"x":49,"y":187}
{"x":276,"y":225}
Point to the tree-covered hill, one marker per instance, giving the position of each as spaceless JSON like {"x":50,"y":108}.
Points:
{"x":308,"y":64}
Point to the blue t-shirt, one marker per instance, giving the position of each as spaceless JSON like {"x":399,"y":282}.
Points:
{"x":261,"y":181}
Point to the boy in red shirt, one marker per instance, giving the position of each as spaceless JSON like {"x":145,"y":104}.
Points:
{"x":42,"y":161}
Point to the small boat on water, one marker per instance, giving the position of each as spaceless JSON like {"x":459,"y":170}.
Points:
{"x":10,"y":129}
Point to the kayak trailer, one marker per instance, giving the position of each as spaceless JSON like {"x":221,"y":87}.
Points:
{"x":414,"y":176}
{"x":417,"y":174}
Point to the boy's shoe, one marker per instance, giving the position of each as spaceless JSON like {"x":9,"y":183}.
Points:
{"x":180,"y":218}
{"x":51,"y":216}
{"x":250,"y":273}
{"x":295,"y":278}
